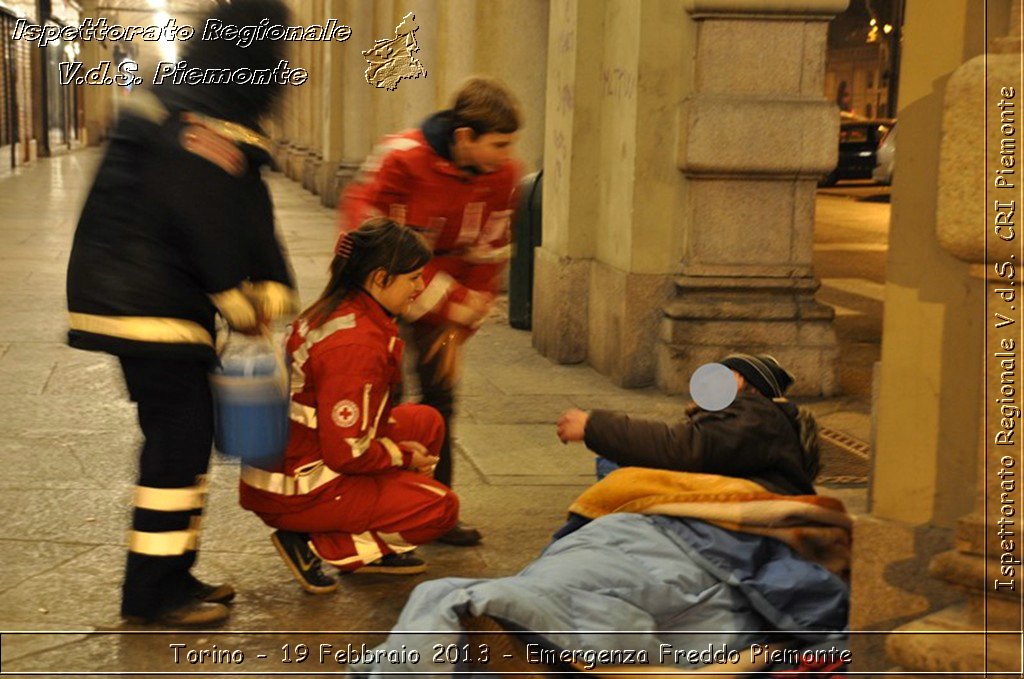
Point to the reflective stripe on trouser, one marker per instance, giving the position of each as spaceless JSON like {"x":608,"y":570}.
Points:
{"x":364,"y":517}
{"x":416,"y":510}
{"x":175,"y":413}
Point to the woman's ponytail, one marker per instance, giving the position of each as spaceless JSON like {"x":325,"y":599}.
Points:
{"x":377,"y":244}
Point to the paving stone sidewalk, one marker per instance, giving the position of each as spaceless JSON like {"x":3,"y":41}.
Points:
{"x":70,"y":442}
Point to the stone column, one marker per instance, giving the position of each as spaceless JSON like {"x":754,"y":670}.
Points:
{"x":754,"y":139}
{"x":315,"y":95}
{"x":299,"y":112}
{"x":98,"y":100}
{"x":457,"y":47}
{"x":282,"y":127}
{"x":385,"y":117}
{"x":983,"y":360}
{"x":572,"y":171}
{"x":332,"y":103}
{"x":636,"y":92}
{"x":416,"y":98}
{"x":513,"y":45}
{"x":351,"y":114}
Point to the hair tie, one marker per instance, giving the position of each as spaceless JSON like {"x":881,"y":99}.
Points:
{"x":344,"y":248}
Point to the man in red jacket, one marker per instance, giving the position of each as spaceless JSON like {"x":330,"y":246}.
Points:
{"x":452,"y":179}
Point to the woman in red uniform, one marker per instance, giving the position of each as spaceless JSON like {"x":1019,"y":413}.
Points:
{"x":355,"y":488}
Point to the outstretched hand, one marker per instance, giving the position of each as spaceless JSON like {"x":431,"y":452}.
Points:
{"x":572,"y":425}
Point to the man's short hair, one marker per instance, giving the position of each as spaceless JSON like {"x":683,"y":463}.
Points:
{"x":486,"y":105}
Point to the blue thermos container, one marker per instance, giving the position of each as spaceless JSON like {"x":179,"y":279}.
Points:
{"x":251,"y":401}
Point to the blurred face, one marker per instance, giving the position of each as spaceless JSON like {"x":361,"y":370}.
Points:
{"x":397,"y":293}
{"x":487,"y":152}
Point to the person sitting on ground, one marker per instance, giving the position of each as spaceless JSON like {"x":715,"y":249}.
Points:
{"x":715,"y":538}
{"x":760,"y":436}
{"x":354,"y":488}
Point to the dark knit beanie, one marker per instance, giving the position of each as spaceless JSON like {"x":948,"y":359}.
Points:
{"x":762,"y":372}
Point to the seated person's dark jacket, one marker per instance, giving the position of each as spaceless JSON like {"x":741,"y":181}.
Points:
{"x":754,"y":438}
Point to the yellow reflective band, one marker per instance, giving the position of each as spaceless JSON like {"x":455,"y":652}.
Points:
{"x":309,"y":339}
{"x":359,"y":445}
{"x":142,"y":328}
{"x":305,"y":480}
{"x":433,"y":489}
{"x":171,"y":543}
{"x":366,"y":404}
{"x":169,"y":499}
{"x":367,"y":547}
{"x":367,"y":551}
{"x":393,"y":450}
{"x":396,"y":542}
{"x":304,"y":415}
{"x":232,"y":131}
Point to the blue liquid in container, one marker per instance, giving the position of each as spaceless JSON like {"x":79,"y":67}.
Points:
{"x":251,"y":401}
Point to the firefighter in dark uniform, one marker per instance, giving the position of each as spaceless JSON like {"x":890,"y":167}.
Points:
{"x":178,"y":227}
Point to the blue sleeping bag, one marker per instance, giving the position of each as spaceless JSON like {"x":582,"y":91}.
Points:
{"x":638,"y":582}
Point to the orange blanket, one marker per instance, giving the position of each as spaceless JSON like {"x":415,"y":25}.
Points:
{"x":815,"y":527}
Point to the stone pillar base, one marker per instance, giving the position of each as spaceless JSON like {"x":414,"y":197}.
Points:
{"x":310,"y":170}
{"x":335,"y":181}
{"x":280,"y":155}
{"x":986,"y":608}
{"x":294,"y":161}
{"x":560,"y":301}
{"x":624,"y":315}
{"x":714,"y":315}
{"x":327,"y":184}
{"x":95,"y":132}
{"x":976,"y":653}
{"x":888,"y":583}
{"x":25,"y":153}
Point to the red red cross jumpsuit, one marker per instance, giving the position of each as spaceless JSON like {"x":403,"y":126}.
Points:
{"x":464,"y":217}
{"x":345,"y":478}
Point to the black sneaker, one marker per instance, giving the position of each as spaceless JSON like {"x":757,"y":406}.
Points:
{"x":212,"y":594}
{"x":303,"y":563}
{"x":395,"y":564}
{"x":193,"y":613}
{"x":461,"y":536}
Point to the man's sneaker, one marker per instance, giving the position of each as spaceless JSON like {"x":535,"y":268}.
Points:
{"x":195,"y":613}
{"x":213,"y":594}
{"x":303,"y":563}
{"x":395,"y":564}
{"x":461,"y":536}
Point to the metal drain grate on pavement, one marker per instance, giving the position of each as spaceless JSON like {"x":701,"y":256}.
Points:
{"x":845,"y":460}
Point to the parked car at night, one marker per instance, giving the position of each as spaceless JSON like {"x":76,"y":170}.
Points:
{"x":885,"y":157}
{"x":858,"y":144}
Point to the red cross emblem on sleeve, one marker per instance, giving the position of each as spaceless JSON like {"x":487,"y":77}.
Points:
{"x":345,"y":413}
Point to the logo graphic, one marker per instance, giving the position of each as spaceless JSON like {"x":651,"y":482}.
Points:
{"x":345,"y":413}
{"x":392,"y":59}
{"x":303,"y":564}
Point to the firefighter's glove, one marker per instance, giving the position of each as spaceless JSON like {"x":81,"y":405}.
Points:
{"x":237,"y":310}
